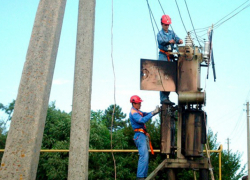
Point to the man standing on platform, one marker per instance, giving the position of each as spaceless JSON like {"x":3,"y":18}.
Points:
{"x":141,"y":137}
{"x":166,"y":40}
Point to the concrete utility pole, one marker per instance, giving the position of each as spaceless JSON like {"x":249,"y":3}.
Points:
{"x":228,"y":147}
{"x":80,"y":121}
{"x":248,"y":143}
{"x":21,"y":156}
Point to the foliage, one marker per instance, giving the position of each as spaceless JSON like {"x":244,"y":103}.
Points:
{"x":3,"y":136}
{"x":56,"y":136}
{"x":8,"y":109}
{"x":101,"y":165}
{"x":118,"y":122}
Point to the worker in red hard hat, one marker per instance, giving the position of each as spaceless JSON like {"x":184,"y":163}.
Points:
{"x":141,"y":137}
{"x":166,"y":40}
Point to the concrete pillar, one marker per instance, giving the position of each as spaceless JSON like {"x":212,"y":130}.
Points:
{"x":21,"y":156}
{"x":80,"y":121}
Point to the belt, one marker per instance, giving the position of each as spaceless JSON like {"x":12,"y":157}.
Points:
{"x":147,"y":134}
{"x":165,"y":52}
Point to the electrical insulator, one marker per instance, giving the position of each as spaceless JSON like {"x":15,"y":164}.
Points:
{"x":206,"y":51}
{"x":188,"y":40}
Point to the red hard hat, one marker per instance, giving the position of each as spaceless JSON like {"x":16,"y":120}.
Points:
{"x":135,"y":99}
{"x":165,"y":19}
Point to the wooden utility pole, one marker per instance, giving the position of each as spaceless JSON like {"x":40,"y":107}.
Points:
{"x":248,"y":144}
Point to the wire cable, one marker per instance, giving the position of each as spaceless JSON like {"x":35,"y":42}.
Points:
{"x":181,"y":17}
{"x":192,"y":23}
{"x":150,"y":15}
{"x":205,"y":28}
{"x":164,"y":13}
{"x":232,"y":134}
{"x":112,"y":59}
{"x":153,"y":16}
{"x":218,"y":25}
{"x":182,"y":21}
{"x":231,"y":12}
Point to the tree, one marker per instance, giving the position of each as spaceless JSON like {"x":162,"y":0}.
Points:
{"x":231,"y":165}
{"x":3,"y":136}
{"x":118,"y":122}
{"x":8,"y":109}
{"x":231,"y":162}
{"x":56,"y":136}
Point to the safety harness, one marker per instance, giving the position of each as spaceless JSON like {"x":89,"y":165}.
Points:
{"x":165,"y":52}
{"x":147,"y":134}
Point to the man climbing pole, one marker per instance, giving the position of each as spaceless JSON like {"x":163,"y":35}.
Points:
{"x":141,"y":137}
{"x":166,"y":40}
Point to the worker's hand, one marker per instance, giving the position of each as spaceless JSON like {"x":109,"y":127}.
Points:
{"x":171,"y":41}
{"x":180,"y":41}
{"x":156,"y":111}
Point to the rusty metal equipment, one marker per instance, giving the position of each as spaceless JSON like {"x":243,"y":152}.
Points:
{"x":188,"y":116}
{"x":158,"y":75}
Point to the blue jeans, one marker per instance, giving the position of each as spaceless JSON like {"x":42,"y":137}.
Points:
{"x":141,"y":144}
{"x":163,"y":95}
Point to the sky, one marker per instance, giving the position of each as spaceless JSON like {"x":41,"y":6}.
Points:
{"x":133,"y":39}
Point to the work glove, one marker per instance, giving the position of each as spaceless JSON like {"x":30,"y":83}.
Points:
{"x":156,"y":111}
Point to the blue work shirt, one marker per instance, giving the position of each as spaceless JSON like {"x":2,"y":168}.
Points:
{"x":163,"y":39}
{"x":139,"y":118}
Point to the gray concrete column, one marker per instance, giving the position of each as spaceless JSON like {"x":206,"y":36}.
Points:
{"x":25,"y":135}
{"x":80,"y":121}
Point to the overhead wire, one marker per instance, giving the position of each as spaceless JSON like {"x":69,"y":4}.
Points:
{"x":181,"y":17}
{"x":231,"y":12}
{"x":239,"y":122}
{"x":206,"y":28}
{"x":112,"y":59}
{"x":150,"y":15}
{"x":217,"y":24}
{"x":153,"y":17}
{"x":192,"y":23}
{"x":182,"y":20}
{"x":164,"y":13}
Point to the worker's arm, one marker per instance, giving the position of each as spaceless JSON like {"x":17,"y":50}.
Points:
{"x":177,"y":39}
{"x":145,"y":113}
{"x":139,"y":119}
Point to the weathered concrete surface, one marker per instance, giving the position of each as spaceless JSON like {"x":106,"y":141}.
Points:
{"x":24,"y":139}
{"x":80,"y":121}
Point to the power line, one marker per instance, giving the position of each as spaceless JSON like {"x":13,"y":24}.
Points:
{"x":164,"y":13}
{"x":192,"y":23}
{"x":150,"y":15}
{"x":236,"y":126}
{"x":231,"y":12}
{"x":231,"y":16}
{"x":150,"y":11}
{"x":218,"y":25}
{"x":181,"y":17}
{"x":205,"y":28}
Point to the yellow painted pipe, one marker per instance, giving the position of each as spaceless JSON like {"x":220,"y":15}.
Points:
{"x":220,"y":149}
{"x":132,"y":150}
{"x":108,"y":150}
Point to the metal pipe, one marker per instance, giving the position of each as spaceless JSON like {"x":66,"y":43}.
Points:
{"x":192,"y":97}
{"x":109,"y":150}
{"x":220,"y":149}
{"x":133,"y":150}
